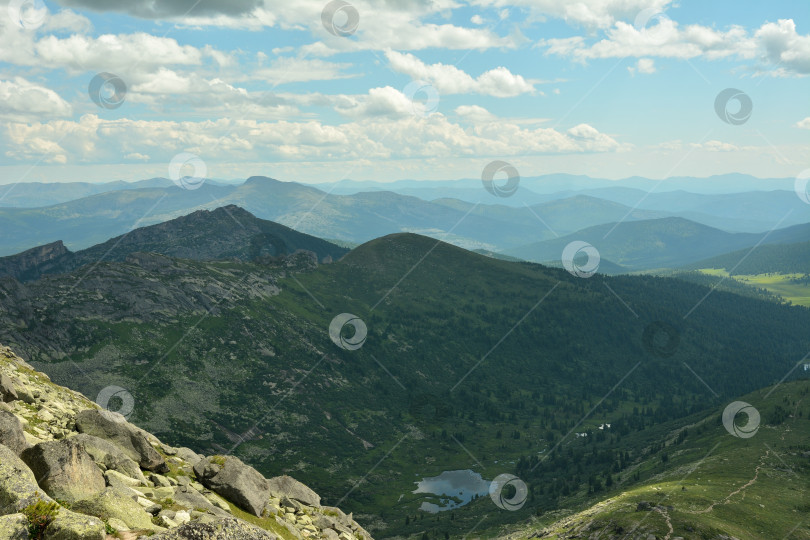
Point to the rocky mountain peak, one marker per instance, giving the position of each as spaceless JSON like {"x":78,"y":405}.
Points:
{"x":72,"y":470}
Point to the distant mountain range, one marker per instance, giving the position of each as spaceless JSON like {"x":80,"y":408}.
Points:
{"x":359,"y":217}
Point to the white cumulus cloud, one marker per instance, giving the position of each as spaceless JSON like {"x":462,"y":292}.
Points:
{"x":448,"y":79}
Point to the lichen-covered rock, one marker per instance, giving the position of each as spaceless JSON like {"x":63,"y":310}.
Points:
{"x":240,"y":483}
{"x":114,"y":503}
{"x":68,"y":525}
{"x":224,"y":529}
{"x":8,"y":391}
{"x":11,"y":432}
{"x":286,"y":486}
{"x":114,"y":428}
{"x":110,"y":456}
{"x":18,"y":487}
{"x":64,"y":470}
{"x":49,"y":417}
{"x":188,"y":497}
{"x":14,"y":527}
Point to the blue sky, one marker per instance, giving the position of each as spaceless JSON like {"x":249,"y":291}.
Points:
{"x":608,"y":88}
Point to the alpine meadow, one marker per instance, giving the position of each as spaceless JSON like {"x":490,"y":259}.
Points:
{"x":406,"y":270}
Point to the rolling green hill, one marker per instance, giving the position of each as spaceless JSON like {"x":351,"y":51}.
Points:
{"x":779,"y":258}
{"x":460,"y":370}
{"x":659,"y":243}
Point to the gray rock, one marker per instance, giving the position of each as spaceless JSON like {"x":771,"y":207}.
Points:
{"x":190,"y":498}
{"x":114,"y":503}
{"x":228,"y":528}
{"x":286,"y":486}
{"x":65,"y":471}
{"x":11,"y":432}
{"x":341,"y":516}
{"x":110,"y":456}
{"x":330,"y":534}
{"x":241,"y":484}
{"x":114,"y":427}
{"x":188,"y":455}
{"x":14,"y":527}
{"x":68,"y":525}
{"x":7,"y":390}
{"x":18,"y":486}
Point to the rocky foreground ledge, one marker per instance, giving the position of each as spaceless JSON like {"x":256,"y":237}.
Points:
{"x":72,"y":471}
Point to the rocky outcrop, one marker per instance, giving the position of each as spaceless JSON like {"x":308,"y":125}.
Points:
{"x":109,"y":456}
{"x":64,"y":470}
{"x":56,"y":443}
{"x":115,"y":428}
{"x":234,"y":480}
{"x":30,"y":264}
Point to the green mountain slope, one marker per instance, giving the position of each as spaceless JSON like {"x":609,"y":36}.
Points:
{"x":659,"y":243}
{"x":471,"y":369}
{"x":780,"y":258}
{"x":700,"y":481}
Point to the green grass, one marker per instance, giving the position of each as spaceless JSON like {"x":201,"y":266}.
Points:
{"x":268,"y":524}
{"x":785,"y":286}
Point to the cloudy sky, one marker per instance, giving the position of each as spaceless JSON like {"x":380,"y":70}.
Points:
{"x":391,"y":89}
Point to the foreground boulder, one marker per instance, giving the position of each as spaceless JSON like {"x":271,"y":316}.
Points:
{"x":109,"y":456}
{"x":287,"y":486}
{"x":114,"y":427}
{"x":242,"y":484}
{"x":14,"y":527}
{"x":18,"y":487}
{"x":113,"y":503}
{"x":68,"y":525}
{"x":229,"y":528}
{"x":64,"y":470}
{"x":7,"y":390}
{"x":11,"y":432}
